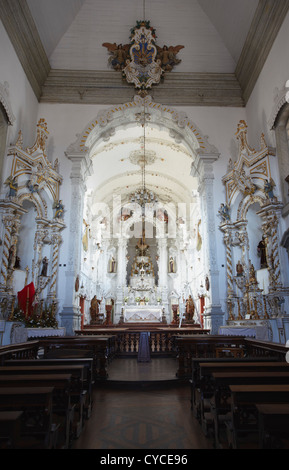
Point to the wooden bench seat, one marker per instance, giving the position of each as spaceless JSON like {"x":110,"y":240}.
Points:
{"x":244,"y":413}
{"x":86,"y":362}
{"x":78,"y":391}
{"x":36,"y":404}
{"x":273,"y":425}
{"x":63,"y":410}
{"x":220,"y":403}
{"x":10,"y":429}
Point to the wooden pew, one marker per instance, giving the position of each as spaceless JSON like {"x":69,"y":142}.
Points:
{"x":196,"y":375}
{"x":206,"y":383}
{"x":36,"y":404}
{"x":245,"y":399}
{"x":88,"y":380}
{"x":78,"y":392}
{"x":99,"y":347}
{"x":63,"y":410}
{"x":220,"y":403}
{"x":10,"y":429}
{"x":273,"y":424}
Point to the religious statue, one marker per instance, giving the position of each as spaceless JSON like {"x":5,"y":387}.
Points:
{"x":262,"y":253}
{"x":172,"y":267}
{"x":207,"y":283}
{"x":269,"y":188}
{"x":94,"y":309}
{"x":59,"y":209}
{"x":190,"y":308}
{"x":44,"y":267}
{"x":112,"y":265}
{"x":17,"y":263}
{"x":13,"y":186}
{"x":239,"y":269}
{"x":224,"y":212}
{"x":12,"y":256}
{"x":252,"y":274}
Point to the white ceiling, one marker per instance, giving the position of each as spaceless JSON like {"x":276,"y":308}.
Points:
{"x":212,"y":31}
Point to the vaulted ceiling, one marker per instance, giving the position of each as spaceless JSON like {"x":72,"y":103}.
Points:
{"x":226,"y":42}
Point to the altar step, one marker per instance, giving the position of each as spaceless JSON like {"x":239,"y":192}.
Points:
{"x":128,"y":373}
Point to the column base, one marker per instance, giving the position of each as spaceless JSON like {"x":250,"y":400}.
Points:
{"x":213,"y":319}
{"x":70,"y":320}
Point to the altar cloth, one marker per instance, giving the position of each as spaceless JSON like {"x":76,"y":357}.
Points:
{"x":142,"y":313}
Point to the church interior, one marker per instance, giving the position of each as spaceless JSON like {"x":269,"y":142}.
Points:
{"x":144,"y":225}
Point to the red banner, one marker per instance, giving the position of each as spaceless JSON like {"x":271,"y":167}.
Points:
{"x":25,"y":299}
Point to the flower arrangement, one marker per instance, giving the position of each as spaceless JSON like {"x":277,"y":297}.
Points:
{"x":137,"y":299}
{"x":42,"y":316}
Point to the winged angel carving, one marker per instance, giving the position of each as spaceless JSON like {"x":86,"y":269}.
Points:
{"x":142,"y":62}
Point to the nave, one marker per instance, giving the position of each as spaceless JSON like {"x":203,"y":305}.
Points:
{"x":142,"y":406}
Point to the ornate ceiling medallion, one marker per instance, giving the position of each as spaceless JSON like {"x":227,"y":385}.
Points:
{"x":142,"y":62}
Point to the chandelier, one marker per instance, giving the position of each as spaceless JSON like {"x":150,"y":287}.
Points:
{"x":142,"y":195}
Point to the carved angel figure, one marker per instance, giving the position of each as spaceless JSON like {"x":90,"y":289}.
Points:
{"x":167,"y":56}
{"x":224,"y":212}
{"x":13,"y":186}
{"x":119,"y":54}
{"x":269,"y":188}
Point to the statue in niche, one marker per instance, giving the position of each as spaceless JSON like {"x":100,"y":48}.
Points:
{"x":17,"y":263}
{"x":59,"y":209}
{"x":269,"y":188}
{"x":190,"y":308}
{"x":172,"y":266}
{"x":13,"y":186}
{"x":225,"y":212}
{"x":94,"y":309}
{"x":44,"y":267}
{"x":112,"y":265}
{"x":252,"y":274}
{"x":262,"y":253}
{"x":239,"y":269}
{"x":207,"y":283}
{"x":12,"y":256}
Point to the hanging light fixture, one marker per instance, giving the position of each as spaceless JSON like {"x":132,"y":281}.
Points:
{"x":143,"y":196}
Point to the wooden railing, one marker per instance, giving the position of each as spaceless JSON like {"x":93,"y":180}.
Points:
{"x":161,"y":341}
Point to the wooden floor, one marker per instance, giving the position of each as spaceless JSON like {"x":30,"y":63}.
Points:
{"x":147,"y":417}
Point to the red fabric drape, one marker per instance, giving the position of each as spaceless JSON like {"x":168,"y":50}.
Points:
{"x":27,"y":293}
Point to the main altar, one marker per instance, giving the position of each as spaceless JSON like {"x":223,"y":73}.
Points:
{"x":142,"y":313}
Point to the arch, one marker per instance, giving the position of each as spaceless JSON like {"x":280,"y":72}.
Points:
{"x":246,"y":203}
{"x":38,"y":205}
{"x":177,"y":122}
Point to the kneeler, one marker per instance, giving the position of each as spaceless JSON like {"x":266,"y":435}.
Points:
{"x":144,"y":348}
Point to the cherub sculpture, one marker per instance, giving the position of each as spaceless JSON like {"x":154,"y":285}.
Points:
{"x":167,"y":56}
{"x":118,"y":54}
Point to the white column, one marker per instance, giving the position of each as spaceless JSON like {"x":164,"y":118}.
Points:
{"x":81,"y":164}
{"x":214,"y":315}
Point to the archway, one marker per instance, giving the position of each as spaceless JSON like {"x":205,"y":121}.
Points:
{"x":97,"y":170}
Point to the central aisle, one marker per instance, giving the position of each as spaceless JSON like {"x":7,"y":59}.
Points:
{"x":156,"y":415}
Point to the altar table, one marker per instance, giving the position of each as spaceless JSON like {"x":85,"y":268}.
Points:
{"x":142,"y":313}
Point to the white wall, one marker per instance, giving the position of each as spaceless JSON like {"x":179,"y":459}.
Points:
{"x":22,"y":98}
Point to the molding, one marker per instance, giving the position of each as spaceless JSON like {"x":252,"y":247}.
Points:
{"x":19,"y":24}
{"x":265,"y":27}
{"x":107,"y":87}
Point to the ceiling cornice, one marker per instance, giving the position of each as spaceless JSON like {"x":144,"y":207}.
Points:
{"x":19,"y":24}
{"x":186,"y":89}
{"x":265,"y":27}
